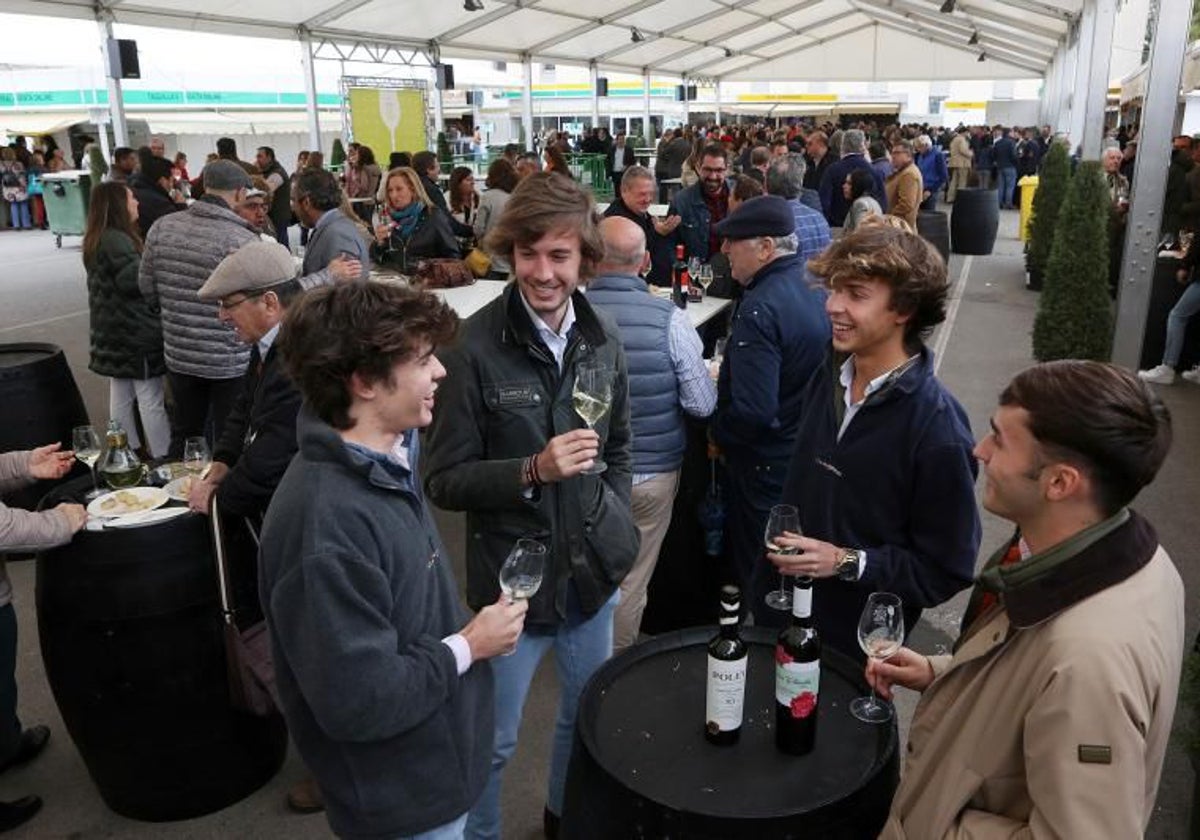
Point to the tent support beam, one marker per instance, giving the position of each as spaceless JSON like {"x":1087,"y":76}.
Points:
{"x":527,"y":100}
{"x":116,"y":100}
{"x":1091,"y":77}
{"x":647,"y":130}
{"x":310,"y":88}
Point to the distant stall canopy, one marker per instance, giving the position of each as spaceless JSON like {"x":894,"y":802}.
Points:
{"x":746,"y":40}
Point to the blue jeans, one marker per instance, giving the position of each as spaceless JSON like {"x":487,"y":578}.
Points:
{"x":18,"y":213}
{"x":581,"y":645}
{"x":1177,"y":321}
{"x":449,"y":831}
{"x":1007,"y":183}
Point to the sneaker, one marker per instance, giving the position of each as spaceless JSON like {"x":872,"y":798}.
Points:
{"x":1192,"y":375}
{"x":1161,"y":375}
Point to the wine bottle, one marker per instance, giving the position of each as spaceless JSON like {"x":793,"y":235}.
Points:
{"x":679,"y":279}
{"x":797,"y":676}
{"x":725,"y":693}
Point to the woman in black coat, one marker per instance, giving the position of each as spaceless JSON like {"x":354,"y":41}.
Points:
{"x":410,"y":228}
{"x":152,"y":189}
{"x":126,"y":333}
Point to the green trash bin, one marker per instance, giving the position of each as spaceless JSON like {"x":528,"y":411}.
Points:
{"x":67,"y":195}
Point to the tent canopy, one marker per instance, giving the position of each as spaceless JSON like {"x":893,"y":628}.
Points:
{"x":700,"y":39}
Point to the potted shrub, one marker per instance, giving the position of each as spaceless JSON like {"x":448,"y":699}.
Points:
{"x":1074,"y":317}
{"x":1052,"y":188}
{"x":337,"y":155}
{"x":445,"y":156}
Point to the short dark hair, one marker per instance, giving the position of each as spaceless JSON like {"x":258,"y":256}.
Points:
{"x":861,"y":183}
{"x":399,"y":159}
{"x":154,"y":167}
{"x":746,"y":188}
{"x":320,"y":186}
{"x":364,"y":328}
{"x":909,"y":265}
{"x":268,"y":151}
{"x":715,"y":150}
{"x":424,"y":161}
{"x":545,"y":202}
{"x":1099,"y":418}
{"x":122,"y":152}
{"x":226,"y":147}
{"x":502,"y":175}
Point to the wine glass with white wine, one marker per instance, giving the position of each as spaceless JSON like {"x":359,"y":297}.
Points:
{"x":196,"y":456}
{"x":783,"y":519}
{"x":705,"y":277}
{"x":592,"y":397}
{"x":880,"y":634}
{"x":86,"y":443}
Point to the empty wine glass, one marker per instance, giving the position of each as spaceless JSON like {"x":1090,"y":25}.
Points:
{"x":592,"y":397}
{"x":783,"y":519}
{"x":880,"y":634}
{"x":693,"y":266}
{"x":86,"y":444}
{"x":705,"y":277}
{"x":521,"y":573}
{"x":196,"y":455}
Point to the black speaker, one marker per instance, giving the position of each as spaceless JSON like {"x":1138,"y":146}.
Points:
{"x":601,"y":86}
{"x":691,"y":93}
{"x":445,"y":77}
{"x":123,"y":59}
{"x":680,"y":92}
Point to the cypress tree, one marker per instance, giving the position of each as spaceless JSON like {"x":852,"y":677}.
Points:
{"x":1074,"y":318}
{"x":1047,"y":201}
{"x":337,"y":155}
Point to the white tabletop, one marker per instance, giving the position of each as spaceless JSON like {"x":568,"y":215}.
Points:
{"x":659,"y":210}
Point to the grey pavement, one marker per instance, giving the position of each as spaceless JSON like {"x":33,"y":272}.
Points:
{"x":43,"y":298}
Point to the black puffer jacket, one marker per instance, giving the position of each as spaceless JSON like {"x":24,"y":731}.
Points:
{"x":153,"y":202}
{"x":433,"y":239}
{"x":126,"y":333}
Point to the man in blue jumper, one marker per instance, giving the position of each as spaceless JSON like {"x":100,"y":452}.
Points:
{"x":778,"y":337}
{"x":882,"y":470}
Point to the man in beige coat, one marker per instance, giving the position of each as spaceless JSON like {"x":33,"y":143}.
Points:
{"x":905,"y":187}
{"x":962,"y":157}
{"x":1052,"y":716}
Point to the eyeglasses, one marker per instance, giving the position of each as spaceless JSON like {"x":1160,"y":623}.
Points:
{"x":709,"y":170}
{"x":229,"y":307}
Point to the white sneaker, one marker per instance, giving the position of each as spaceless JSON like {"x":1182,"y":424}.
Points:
{"x":1161,"y":375}
{"x":1192,"y":375}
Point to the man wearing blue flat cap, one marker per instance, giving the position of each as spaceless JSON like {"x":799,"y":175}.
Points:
{"x":778,"y":337}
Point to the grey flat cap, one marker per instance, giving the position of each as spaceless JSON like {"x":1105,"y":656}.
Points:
{"x":226,"y":176}
{"x":255,"y":266}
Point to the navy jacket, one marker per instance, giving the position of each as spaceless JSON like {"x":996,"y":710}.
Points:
{"x":777,"y":340}
{"x":1004,"y":153}
{"x":900,"y":484}
{"x":934,"y":174}
{"x":661,"y":248}
{"x":694,"y":220}
{"x":835,"y":204}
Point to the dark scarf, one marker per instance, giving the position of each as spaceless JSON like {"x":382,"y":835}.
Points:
{"x":407,"y":219}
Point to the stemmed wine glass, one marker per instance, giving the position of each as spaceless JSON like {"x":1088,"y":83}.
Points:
{"x":783,"y":519}
{"x":196,"y":455}
{"x":592,"y":397}
{"x":521,"y":573}
{"x":880,"y":634}
{"x":693,"y":266}
{"x":86,"y":444}
{"x":705,"y":277}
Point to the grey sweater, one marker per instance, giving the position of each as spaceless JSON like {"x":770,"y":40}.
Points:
{"x":23,"y":529}
{"x":358,"y":594}
{"x":181,"y":252}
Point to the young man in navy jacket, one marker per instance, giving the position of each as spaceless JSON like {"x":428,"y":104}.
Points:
{"x":882,"y":470}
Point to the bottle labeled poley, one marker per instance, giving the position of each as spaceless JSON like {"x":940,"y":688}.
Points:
{"x":798,"y":676}
{"x":725,"y":694}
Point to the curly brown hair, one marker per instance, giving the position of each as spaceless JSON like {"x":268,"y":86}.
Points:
{"x":543,"y":203}
{"x":364,"y":328}
{"x":907,"y":263}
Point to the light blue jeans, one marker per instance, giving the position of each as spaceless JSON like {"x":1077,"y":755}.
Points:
{"x":581,"y":645}
{"x":449,"y":831}
{"x":1006,"y":183}
{"x":1177,"y":322}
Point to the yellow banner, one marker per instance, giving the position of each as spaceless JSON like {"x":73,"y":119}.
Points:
{"x":787,"y":97}
{"x":964,"y":106}
{"x":388,"y":120}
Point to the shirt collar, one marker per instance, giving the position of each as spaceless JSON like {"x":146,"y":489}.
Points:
{"x":542,"y":327}
{"x":264,"y":343}
{"x":847,"y":378}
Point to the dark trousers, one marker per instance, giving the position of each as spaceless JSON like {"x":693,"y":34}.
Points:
{"x":753,"y":488}
{"x":199,"y":408}
{"x":10,"y":725}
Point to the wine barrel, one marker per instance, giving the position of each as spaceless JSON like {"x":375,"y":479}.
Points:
{"x":935,"y":228}
{"x":974,"y":221}
{"x":39,"y":404}
{"x":641,"y":766}
{"x":132,"y":642}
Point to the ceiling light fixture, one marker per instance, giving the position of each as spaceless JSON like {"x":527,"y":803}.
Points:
{"x":635,"y":36}
{"x":948,"y":7}
{"x":974,"y":39}
{"x":473,"y":5}
{"x":728,"y":53}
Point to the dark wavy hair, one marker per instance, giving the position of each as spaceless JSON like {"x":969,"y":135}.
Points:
{"x":364,"y":328}
{"x":457,"y":176}
{"x":909,"y":265}
{"x":502,"y":175}
{"x":558,"y":161}
{"x":546,"y":202}
{"x":109,"y":209}
{"x":320,"y":186}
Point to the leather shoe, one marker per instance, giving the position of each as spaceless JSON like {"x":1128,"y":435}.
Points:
{"x":305,"y":797}
{"x":13,"y":814}
{"x":550,"y":824}
{"x":33,"y":741}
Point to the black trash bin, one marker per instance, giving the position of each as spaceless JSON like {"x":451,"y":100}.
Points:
{"x":935,"y":228}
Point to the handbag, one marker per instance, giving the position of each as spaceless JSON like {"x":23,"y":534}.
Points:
{"x":444,"y":273}
{"x":479,"y":262}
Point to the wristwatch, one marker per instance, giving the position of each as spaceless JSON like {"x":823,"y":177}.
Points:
{"x":849,"y":563}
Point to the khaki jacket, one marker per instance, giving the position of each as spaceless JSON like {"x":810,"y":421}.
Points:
{"x":961,"y":153}
{"x":1052,"y":717}
{"x":905,"y":188}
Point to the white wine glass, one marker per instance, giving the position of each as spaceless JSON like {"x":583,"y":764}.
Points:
{"x":880,"y":634}
{"x":592,"y":397}
{"x":521,"y":573}
{"x":705,"y":277}
{"x":196,"y":455}
{"x":86,"y":444}
{"x":782,"y":519}
{"x":693,"y":266}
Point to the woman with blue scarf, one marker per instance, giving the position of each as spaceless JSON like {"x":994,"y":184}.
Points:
{"x":411,"y":229}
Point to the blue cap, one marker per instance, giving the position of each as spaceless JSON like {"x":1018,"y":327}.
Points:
{"x":763,"y":215}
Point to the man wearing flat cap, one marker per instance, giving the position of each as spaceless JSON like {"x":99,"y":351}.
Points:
{"x":205,"y":360}
{"x":778,"y":337}
{"x":252,"y":288}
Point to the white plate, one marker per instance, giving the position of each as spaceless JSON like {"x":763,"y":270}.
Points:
{"x":179,"y":488}
{"x":129,"y":500}
{"x":149,"y":517}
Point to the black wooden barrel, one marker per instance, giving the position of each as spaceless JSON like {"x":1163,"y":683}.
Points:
{"x":974,"y":221}
{"x":132,"y":642}
{"x":642,"y":768}
{"x":934,"y":226}
{"x":39,"y":404}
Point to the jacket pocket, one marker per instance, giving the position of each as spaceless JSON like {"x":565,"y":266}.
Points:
{"x":516,"y":417}
{"x":611,"y":537}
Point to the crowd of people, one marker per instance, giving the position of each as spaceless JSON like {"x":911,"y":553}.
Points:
{"x":340,"y":408}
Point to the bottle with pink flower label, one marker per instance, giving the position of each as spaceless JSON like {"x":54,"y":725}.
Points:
{"x":798,"y":676}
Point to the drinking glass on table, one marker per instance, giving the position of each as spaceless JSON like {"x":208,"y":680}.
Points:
{"x":196,"y":455}
{"x":880,"y":634}
{"x":592,"y":397}
{"x":705,"y":277}
{"x":693,"y":266}
{"x":86,"y":443}
{"x":783,"y":519}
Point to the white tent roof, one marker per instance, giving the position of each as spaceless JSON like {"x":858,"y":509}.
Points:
{"x":714,"y":39}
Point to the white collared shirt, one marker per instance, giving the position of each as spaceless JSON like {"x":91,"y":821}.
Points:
{"x":264,"y":343}
{"x":847,"y":380}
{"x":556,"y":342}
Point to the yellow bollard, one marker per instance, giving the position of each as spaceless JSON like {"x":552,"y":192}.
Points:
{"x":1028,"y":186}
